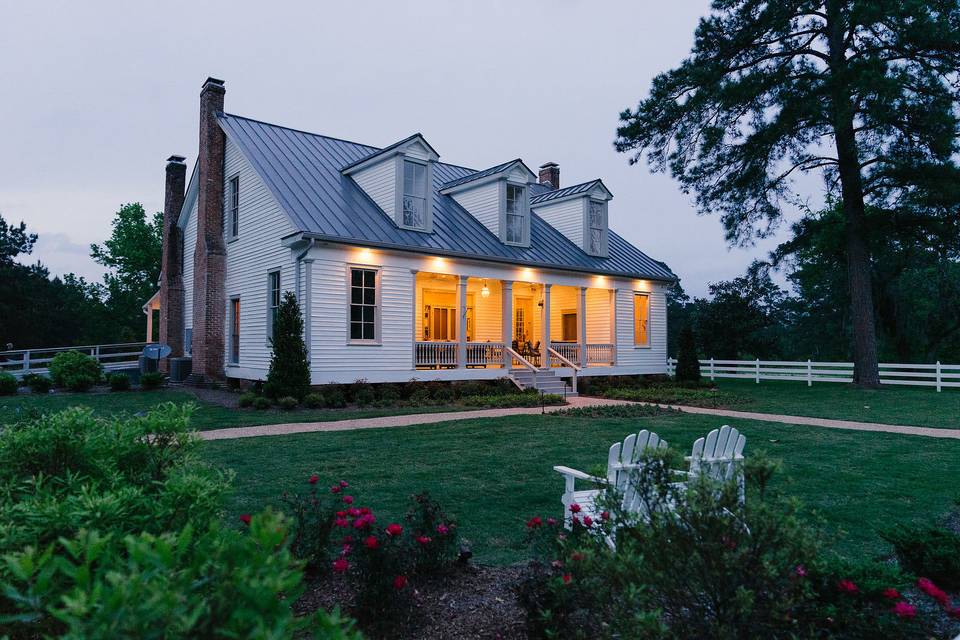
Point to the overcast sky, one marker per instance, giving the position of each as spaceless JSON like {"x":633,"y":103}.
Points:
{"x":96,"y":95}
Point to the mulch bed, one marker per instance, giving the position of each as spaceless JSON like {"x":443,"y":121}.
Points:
{"x":467,"y":602}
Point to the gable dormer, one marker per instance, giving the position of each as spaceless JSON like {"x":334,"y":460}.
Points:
{"x":399,"y":179}
{"x":499,"y":197}
{"x":580,"y":213}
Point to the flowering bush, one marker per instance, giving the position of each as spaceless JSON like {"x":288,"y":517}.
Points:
{"x":928,"y":551}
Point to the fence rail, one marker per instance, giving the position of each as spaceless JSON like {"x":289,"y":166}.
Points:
{"x":112,"y":356}
{"x":937,"y":375}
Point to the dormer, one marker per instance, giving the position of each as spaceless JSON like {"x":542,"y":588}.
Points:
{"x":499,"y":197}
{"x":578,"y":212}
{"x":399,"y":179}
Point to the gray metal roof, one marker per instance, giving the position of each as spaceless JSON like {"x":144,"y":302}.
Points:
{"x":572,"y":190}
{"x":470,"y":177}
{"x":303,"y":172}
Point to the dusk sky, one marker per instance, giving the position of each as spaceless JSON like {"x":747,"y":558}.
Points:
{"x":97,"y":95}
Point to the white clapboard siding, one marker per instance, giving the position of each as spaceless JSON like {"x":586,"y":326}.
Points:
{"x":189,"y":247}
{"x":562,"y":300}
{"x":255,"y":252}
{"x":483,"y":203}
{"x":566,"y":217}
{"x":648,"y":359}
{"x":598,"y":316}
{"x":937,"y":375}
{"x":379,"y":181}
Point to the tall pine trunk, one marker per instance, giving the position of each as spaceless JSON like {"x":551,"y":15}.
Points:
{"x":866,"y":372}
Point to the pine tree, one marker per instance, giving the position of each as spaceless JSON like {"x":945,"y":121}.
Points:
{"x":289,"y":370}
{"x":688,"y":364}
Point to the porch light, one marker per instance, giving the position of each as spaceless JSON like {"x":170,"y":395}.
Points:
{"x":485,"y":292}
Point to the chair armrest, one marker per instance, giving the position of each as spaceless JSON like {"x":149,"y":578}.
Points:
{"x":579,"y":475}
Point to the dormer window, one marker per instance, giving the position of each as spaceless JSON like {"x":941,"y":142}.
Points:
{"x":516,"y":211}
{"x":596,"y":218}
{"x":414,"y":194}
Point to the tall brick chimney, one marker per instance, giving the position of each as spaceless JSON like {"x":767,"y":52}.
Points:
{"x":550,"y":175}
{"x":171,"y":265}
{"x":209,"y":259}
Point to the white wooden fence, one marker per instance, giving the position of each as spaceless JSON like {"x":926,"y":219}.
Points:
{"x":937,"y":375}
{"x":111,"y":356}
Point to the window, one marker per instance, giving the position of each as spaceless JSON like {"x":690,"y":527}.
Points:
{"x":641,"y":319}
{"x":234,"y":330}
{"x":273,"y":302}
{"x":363,"y":304}
{"x":597,"y":227}
{"x":233,"y":220}
{"x":568,"y":326}
{"x":516,"y":206}
{"x":414,"y":195}
{"x":188,"y":341}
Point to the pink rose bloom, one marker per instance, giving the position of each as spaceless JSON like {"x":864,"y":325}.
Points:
{"x":424,"y":539}
{"x":371,"y":542}
{"x":891,"y":594}
{"x":442,"y":529}
{"x":399,"y":582}
{"x":344,"y":484}
{"x":605,"y":516}
{"x":904,"y":610}
{"x":394,"y":529}
{"x":801,"y":571}
{"x":552,"y":522}
{"x":567,"y":578}
{"x":574,"y":508}
{"x":334,"y":489}
{"x":340,"y":565}
{"x":587,"y":521}
{"x":341,"y":522}
{"x":313,"y":479}
{"x":847,"y":586}
{"x":348,"y":499}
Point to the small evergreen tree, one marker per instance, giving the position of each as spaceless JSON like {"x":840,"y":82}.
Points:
{"x":289,"y":370}
{"x":688,"y":365}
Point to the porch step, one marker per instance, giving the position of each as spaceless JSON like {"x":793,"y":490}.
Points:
{"x":545,"y":381}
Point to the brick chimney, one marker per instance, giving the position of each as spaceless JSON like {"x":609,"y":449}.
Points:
{"x":171,"y":265}
{"x":550,"y":175}
{"x":209,"y":259}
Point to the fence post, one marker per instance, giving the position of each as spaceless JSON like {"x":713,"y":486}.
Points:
{"x":26,"y":360}
{"x":758,"y":370}
{"x":939,"y":383}
{"x":809,"y":374}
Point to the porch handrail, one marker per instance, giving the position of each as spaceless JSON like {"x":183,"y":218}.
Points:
{"x":520,"y":358}
{"x":563,"y":359}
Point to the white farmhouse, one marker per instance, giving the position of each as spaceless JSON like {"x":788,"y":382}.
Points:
{"x":405,"y":266}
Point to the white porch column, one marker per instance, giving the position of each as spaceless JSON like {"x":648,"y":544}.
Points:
{"x":545,"y":344}
{"x":462,"y":323}
{"x":149,"y":311}
{"x":613,"y":326}
{"x":413,"y":323}
{"x":582,"y":328}
{"x":506,"y":318}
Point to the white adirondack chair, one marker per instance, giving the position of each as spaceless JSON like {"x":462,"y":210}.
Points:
{"x":719,"y":456}
{"x":621,"y":467}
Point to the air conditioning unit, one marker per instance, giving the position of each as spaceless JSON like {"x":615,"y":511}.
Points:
{"x":180,"y":368}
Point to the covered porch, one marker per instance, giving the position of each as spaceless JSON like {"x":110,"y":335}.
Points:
{"x":471,"y":322}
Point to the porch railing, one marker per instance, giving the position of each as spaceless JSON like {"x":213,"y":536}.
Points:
{"x":483,"y":354}
{"x":569,"y":350}
{"x":600,"y":354}
{"x":436,"y":354}
{"x":111,"y":356}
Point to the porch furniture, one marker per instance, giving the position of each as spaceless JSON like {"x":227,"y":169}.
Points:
{"x":719,"y":457}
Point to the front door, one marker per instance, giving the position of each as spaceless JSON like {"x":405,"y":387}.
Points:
{"x":523,"y":321}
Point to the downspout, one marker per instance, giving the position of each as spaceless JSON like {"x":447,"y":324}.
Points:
{"x":305,"y":300}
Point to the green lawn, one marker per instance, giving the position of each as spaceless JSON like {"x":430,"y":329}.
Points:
{"x":919,"y":406}
{"x":494,"y":474}
{"x":207,"y":416}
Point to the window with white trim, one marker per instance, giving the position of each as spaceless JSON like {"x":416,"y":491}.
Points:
{"x":597,"y":227}
{"x":363,"y":304}
{"x":273,"y":302}
{"x":641,"y":319}
{"x":414,"y":195}
{"x":233,"y":200}
{"x":234,"y":330}
{"x":515,"y":214}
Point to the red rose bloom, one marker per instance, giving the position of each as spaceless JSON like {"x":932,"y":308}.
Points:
{"x":587,"y":521}
{"x":347,"y":539}
{"x":567,"y":578}
{"x":534,"y":522}
{"x":340,"y":565}
{"x":574,"y":508}
{"x":245,"y":518}
{"x":364,"y":510}
{"x":575,"y":520}
{"x":394,"y":529}
{"x":424,"y":539}
{"x":442,"y":529}
{"x":552,"y":522}
{"x":313,"y":479}
{"x":348,"y":499}
{"x":926,"y":585}
{"x":344,"y":484}
{"x":891,"y":594}
{"x":399,"y":582}
{"x":904,"y":610}
{"x":334,"y":489}
{"x":371,"y":542}
{"x":847,"y":586}
{"x":605,"y":515}
{"x":341,"y":522}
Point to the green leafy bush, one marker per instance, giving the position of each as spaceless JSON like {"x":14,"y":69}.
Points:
{"x":314,"y":401}
{"x":118,"y":382}
{"x":289,"y":373}
{"x":287,"y":403}
{"x":362,"y":393}
{"x":8,"y":384}
{"x":334,"y":398}
{"x":672,"y":394}
{"x":38,"y":384}
{"x":529,"y":398}
{"x":247,"y":399}
{"x":151,"y":380}
{"x":688,"y":362}
{"x":75,"y":371}
{"x":260,"y":403}
{"x":930,"y":552}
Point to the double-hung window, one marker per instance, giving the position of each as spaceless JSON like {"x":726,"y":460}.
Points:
{"x":597,"y":227}
{"x":414,"y":195}
{"x":273,"y":303}
{"x":516,"y":212}
{"x":234,"y":330}
{"x":641,"y":319}
{"x":363,"y":305}
{"x":233,"y":201}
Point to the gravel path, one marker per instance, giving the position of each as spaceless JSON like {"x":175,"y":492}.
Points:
{"x":432,"y":418}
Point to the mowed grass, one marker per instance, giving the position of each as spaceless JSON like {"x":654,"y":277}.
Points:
{"x":494,"y":474}
{"x":207,"y":415}
{"x":918,"y":406}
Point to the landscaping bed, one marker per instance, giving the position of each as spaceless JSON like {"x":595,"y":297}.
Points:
{"x":661,"y":390}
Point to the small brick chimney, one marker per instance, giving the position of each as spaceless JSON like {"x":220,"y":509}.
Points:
{"x":550,"y":175}
{"x":209,"y":259}
{"x":171,"y":265}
